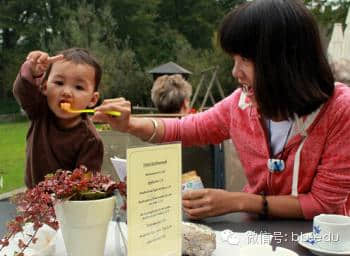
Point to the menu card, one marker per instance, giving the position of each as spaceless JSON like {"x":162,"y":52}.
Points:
{"x":154,"y":200}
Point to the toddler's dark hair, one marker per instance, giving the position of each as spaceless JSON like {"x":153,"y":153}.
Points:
{"x":80,"y":56}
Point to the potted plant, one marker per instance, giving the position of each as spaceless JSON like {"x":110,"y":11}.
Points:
{"x":78,"y":202}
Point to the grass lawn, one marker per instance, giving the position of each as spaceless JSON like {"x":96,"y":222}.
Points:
{"x":12,"y":155}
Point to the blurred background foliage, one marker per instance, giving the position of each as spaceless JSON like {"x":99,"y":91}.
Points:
{"x":129,"y":37}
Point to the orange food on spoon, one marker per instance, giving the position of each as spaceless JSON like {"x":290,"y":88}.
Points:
{"x":66,"y":106}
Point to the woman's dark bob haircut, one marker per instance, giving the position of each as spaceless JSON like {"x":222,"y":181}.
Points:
{"x":281,"y":37}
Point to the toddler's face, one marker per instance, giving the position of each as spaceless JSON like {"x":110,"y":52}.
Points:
{"x":72,"y":83}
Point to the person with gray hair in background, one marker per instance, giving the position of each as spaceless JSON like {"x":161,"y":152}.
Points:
{"x":171,"y":94}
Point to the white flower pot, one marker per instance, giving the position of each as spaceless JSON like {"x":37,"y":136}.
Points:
{"x":84,"y":225}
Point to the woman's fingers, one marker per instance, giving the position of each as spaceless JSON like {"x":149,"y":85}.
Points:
{"x":194,"y":203}
{"x":118,"y":104}
{"x":198,"y":213}
{"x":120,"y":99}
{"x":120,"y":123}
{"x":194,"y":194}
{"x":202,"y":203}
{"x":107,"y":102}
{"x":100,"y":117}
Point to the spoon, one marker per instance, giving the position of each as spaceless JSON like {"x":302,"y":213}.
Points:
{"x":67,"y":107}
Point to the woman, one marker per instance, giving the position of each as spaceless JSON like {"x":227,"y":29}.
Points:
{"x":288,"y":121}
{"x":172,"y":94}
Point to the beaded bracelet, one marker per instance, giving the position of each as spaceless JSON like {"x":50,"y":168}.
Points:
{"x":155,"y":127}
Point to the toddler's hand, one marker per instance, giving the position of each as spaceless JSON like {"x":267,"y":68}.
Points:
{"x":40,"y":61}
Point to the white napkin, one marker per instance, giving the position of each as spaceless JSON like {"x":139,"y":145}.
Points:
{"x":119,"y":165}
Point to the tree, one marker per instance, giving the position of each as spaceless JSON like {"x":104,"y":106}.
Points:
{"x":95,"y":28}
{"x":128,"y":36}
{"x":136,"y":24}
{"x":328,"y":12}
{"x":25,"y":26}
{"x":195,"y":19}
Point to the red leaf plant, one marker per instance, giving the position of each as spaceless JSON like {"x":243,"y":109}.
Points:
{"x":36,"y":205}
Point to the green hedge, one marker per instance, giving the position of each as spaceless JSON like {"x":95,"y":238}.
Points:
{"x":9,"y":106}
